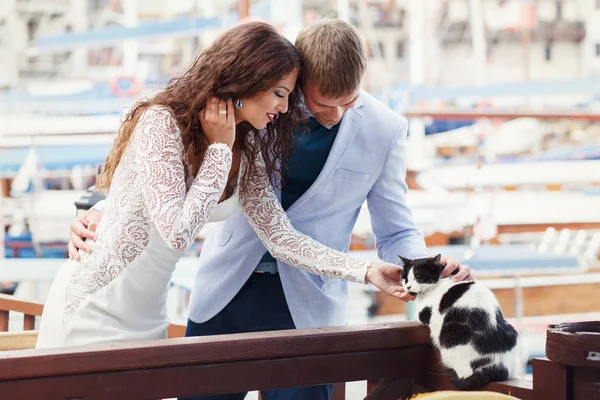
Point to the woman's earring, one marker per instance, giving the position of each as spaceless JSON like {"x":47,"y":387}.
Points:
{"x":239,"y":104}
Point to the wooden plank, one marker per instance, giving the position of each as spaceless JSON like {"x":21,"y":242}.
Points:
{"x":514,"y":228}
{"x":339,"y":391}
{"x":202,"y":350}
{"x":595,"y":388}
{"x":569,"y":343}
{"x":549,"y":300}
{"x":550,"y":380}
{"x":11,"y":303}
{"x":221,"y":378}
{"x":537,"y":301}
{"x":176,"y":331}
{"x":3,"y":321}
{"x":372,"y":385}
{"x":29,"y":323}
{"x":17,"y":340}
{"x":586,"y":383}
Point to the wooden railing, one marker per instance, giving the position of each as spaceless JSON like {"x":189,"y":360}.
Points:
{"x":228,"y":363}
{"x":395,"y":358}
{"x":27,"y":338}
{"x":28,"y":308}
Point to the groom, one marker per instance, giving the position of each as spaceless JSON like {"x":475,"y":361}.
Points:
{"x":355,"y":153}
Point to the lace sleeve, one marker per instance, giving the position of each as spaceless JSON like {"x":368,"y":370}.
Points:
{"x":177,"y":215}
{"x":268,"y":219}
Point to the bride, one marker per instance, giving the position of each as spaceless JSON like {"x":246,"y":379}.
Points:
{"x":184,"y":158}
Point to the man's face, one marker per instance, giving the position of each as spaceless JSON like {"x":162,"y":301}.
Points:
{"x":327,"y":111}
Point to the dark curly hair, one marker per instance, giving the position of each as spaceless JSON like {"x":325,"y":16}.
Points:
{"x":244,"y":61}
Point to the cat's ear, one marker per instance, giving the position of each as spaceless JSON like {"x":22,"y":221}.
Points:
{"x":437,"y":258}
{"x":405,"y":261}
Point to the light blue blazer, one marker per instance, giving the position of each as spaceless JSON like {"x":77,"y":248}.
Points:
{"x":367,"y":162}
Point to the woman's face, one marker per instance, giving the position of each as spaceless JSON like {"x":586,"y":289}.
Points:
{"x":263,"y":108}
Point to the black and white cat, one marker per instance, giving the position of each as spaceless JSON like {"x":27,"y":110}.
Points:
{"x":476,"y":344}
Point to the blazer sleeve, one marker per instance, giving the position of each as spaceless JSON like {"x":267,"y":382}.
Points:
{"x":391,"y":219}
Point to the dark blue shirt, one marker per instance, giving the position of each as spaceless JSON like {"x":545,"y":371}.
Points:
{"x":309,"y":153}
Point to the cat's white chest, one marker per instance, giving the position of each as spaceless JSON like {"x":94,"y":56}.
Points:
{"x":432,"y":300}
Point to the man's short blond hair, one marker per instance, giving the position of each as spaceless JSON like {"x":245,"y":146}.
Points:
{"x":334,"y":57}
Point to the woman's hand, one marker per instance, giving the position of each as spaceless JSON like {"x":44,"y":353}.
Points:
{"x":387,"y":277}
{"x":218,"y":121}
{"x":83,"y":227}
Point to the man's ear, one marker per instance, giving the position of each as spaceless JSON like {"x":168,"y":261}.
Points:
{"x":405,"y":261}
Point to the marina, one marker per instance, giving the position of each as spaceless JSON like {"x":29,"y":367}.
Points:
{"x":502,"y":170}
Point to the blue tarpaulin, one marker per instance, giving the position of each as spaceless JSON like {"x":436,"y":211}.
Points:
{"x":55,"y":157}
{"x":183,"y":27}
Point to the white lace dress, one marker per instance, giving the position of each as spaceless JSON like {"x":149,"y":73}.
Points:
{"x":118,"y":292}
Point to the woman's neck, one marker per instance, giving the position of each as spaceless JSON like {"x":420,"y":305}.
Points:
{"x":238,"y":116}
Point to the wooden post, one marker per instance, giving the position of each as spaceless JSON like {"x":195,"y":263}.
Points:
{"x":339,"y":391}
{"x":576,"y":346}
{"x":550,"y":380}
{"x":29,"y":322}
{"x":3,"y":321}
{"x":372,"y":385}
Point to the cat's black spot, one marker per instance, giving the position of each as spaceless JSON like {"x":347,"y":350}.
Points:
{"x":455,"y":328}
{"x":453,"y":294}
{"x":452,"y":335}
{"x":480,"y":362}
{"x":462,"y":325}
{"x":425,"y":315}
{"x":499,"y":339}
{"x":457,"y":316}
{"x":428,"y":274}
{"x":452,"y":375}
{"x":479,"y":378}
{"x":478,"y":320}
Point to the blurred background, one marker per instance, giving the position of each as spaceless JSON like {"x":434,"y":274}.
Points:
{"x":502,"y":98}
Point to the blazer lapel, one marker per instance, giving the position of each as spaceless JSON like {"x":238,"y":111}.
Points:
{"x":345,"y":135}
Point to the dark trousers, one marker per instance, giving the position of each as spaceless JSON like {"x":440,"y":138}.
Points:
{"x":259,"y":306}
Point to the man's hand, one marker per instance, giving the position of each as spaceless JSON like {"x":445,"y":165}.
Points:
{"x":453,"y":266}
{"x":82,"y":228}
{"x":386,"y":277}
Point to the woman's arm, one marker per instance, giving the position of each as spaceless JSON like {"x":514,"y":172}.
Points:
{"x":158,"y":148}
{"x":268,"y":219}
